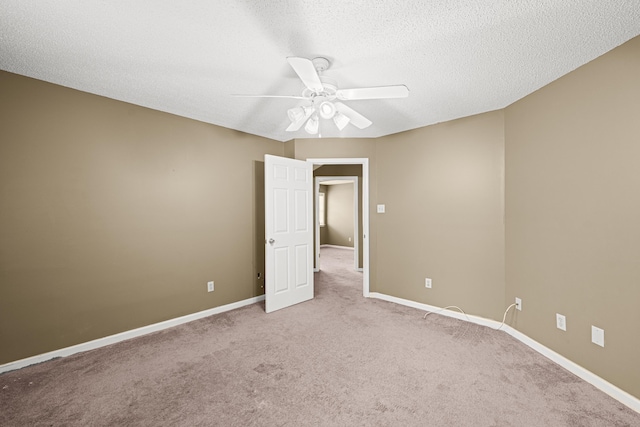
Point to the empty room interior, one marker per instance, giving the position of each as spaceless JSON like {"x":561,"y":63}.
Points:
{"x":489,"y":149}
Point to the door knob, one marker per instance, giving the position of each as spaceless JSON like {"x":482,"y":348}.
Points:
{"x":271,"y":241}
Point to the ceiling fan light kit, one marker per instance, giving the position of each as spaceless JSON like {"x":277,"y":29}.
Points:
{"x":323,"y":97}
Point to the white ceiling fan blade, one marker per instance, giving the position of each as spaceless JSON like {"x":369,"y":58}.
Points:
{"x":305,"y":69}
{"x":298,"y":123}
{"x":379,"y":92}
{"x":357,"y":119}
{"x":268,"y":96}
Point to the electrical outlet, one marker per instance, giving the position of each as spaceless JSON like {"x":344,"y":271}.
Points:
{"x":561,"y":322}
{"x":427,"y":283}
{"x":597,"y":336}
{"x":518,"y":304}
{"x":210,"y":286}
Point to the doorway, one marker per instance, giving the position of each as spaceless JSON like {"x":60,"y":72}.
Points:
{"x":363,"y":197}
{"x":347,"y":225}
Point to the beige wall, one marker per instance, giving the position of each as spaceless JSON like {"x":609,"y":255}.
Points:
{"x":340,"y":215}
{"x":443,"y":194}
{"x":114,"y":216}
{"x":573,"y":213}
{"x":289,"y":149}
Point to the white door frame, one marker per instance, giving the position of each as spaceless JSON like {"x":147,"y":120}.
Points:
{"x":356,"y":235}
{"x":365,"y":208}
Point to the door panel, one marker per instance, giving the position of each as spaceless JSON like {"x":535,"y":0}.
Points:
{"x":281,"y":219}
{"x":302,"y":266}
{"x":281,"y":271}
{"x":302,"y":212}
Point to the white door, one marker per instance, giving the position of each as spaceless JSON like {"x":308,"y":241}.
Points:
{"x":288,"y":232}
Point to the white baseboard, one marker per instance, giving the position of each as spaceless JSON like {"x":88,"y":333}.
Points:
{"x":133,"y":333}
{"x":337,"y":246}
{"x":433,"y":309}
{"x":593,"y":379}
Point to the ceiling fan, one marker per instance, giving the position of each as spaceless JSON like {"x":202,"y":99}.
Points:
{"x":323,"y":98}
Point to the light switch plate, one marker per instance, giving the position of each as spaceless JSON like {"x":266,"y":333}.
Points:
{"x":561,"y":322}
{"x":597,"y":336}
{"x":380,"y":208}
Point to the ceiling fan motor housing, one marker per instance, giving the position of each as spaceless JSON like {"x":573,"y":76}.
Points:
{"x":329,"y":88}
{"x":321,"y":64}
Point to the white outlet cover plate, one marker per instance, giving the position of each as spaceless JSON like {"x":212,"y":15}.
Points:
{"x":518,"y":304}
{"x":427,"y":283}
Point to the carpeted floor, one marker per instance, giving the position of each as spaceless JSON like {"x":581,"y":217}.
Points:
{"x":338,"y":360}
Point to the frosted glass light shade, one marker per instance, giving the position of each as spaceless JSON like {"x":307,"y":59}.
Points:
{"x":312,"y":125}
{"x":298,"y":113}
{"x":327,"y":110}
{"x":340,"y":120}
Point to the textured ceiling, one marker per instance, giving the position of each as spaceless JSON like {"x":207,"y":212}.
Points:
{"x":457,"y":57}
